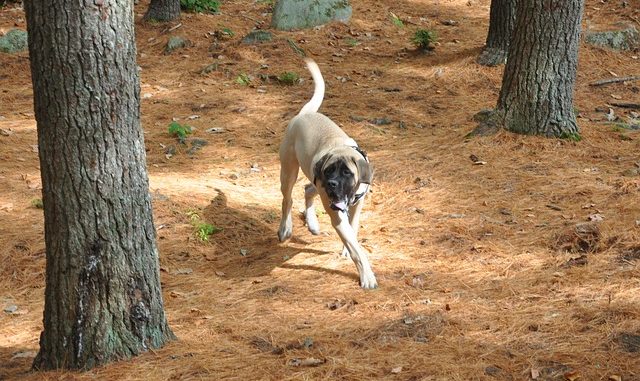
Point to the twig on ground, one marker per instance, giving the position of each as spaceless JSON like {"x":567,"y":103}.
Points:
{"x":614,"y":80}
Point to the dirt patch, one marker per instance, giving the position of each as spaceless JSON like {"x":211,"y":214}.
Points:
{"x":464,"y":234}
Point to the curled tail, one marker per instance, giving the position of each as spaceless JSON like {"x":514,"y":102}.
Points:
{"x":318,"y":93}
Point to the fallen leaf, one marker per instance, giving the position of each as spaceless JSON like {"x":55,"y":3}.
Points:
{"x":535,"y":373}
{"x":572,"y":376}
{"x":615,"y":377}
{"x":396,"y":370}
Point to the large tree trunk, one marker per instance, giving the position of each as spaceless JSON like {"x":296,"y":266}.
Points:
{"x":537,"y":87}
{"x":163,"y":10}
{"x":102,"y":299}
{"x":502,"y":17}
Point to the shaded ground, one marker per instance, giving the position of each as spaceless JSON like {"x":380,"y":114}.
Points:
{"x":483,"y":273}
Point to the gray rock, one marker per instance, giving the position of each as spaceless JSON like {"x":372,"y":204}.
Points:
{"x":175,"y":43}
{"x":380,"y":121}
{"x":301,"y":14}
{"x":621,"y":39}
{"x":196,"y":145}
{"x":257,"y":36}
{"x":11,"y":308}
{"x":14,"y":41}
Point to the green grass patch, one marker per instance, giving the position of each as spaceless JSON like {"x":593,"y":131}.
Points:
{"x":200,"y":6}
{"x":289,"y":78}
{"x":243,"y":79}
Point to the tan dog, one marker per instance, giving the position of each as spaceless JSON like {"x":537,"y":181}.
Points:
{"x":339,"y":172}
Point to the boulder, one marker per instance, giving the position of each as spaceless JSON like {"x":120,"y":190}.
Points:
{"x":302,"y":14}
{"x":14,"y":41}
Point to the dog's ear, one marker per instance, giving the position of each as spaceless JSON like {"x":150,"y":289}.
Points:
{"x":365,"y":171}
{"x":318,"y":173}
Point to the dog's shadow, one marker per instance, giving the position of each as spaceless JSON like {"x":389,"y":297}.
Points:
{"x":248,"y":245}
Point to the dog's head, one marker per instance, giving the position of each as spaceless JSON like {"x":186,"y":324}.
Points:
{"x":340,"y":174}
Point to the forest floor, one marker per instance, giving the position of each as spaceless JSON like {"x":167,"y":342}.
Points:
{"x":486,"y":272}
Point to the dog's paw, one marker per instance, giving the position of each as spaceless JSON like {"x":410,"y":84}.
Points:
{"x":284,"y":233}
{"x":345,"y":253}
{"x":312,"y":223}
{"x":368,"y":281}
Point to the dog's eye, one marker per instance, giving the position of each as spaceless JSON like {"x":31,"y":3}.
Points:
{"x":346,"y":172}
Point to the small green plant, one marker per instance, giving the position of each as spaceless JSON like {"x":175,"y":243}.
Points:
{"x":180,"y":131}
{"x":37,"y":203}
{"x":396,"y":20}
{"x":202,"y":230}
{"x":352,"y":42}
{"x":243,"y":79}
{"x":228,"y":32}
{"x":289,"y":78}
{"x":200,"y":6}
{"x":423,"y":39}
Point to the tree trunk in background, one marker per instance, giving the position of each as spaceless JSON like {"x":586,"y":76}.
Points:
{"x":163,"y":10}
{"x":537,"y":87}
{"x":501,"y":20}
{"x":102,"y":299}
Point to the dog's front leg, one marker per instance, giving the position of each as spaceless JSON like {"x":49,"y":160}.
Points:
{"x":354,"y":221}
{"x":340,"y":222}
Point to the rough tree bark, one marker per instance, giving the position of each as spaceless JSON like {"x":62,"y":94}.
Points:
{"x":537,"y":87}
{"x":102,"y":299}
{"x":163,"y":10}
{"x":502,"y":17}
{"x":536,"y":97}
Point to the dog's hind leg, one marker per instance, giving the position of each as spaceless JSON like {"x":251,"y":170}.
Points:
{"x":310,"y":216}
{"x":288,"y":177}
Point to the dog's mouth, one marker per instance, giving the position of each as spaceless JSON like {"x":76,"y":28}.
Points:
{"x":340,"y":206}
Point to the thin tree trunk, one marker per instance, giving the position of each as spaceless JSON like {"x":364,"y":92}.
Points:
{"x":537,"y":87}
{"x":502,"y":17}
{"x":163,"y":10}
{"x":102,"y":299}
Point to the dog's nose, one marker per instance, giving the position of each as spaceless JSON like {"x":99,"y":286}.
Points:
{"x":332,"y":184}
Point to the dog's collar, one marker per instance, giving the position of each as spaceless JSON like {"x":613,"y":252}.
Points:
{"x":361,"y":152}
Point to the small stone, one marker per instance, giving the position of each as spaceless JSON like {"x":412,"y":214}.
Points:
{"x":10,"y":308}
{"x":380,"y":121}
{"x":244,"y":252}
{"x":449,"y":22}
{"x":256,"y":37}
{"x":175,"y":43}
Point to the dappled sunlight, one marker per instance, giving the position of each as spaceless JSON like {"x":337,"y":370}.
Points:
{"x":483,"y":272}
